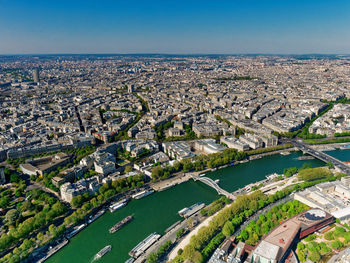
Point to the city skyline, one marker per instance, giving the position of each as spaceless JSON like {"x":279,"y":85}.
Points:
{"x":231,"y":27}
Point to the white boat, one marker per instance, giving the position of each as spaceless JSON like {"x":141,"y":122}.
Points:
{"x":217,"y":181}
{"x":76,"y":230}
{"x":345,"y":147}
{"x":285,"y":153}
{"x":141,"y":194}
{"x":102,"y":252}
{"x":93,"y":218}
{"x":115,"y":206}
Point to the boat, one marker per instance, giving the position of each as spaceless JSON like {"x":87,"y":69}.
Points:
{"x":130,"y":260}
{"x":308,"y":157}
{"x":76,"y":230}
{"x":93,"y":218}
{"x":144,"y":245}
{"x":117,"y":205}
{"x":188,"y":211}
{"x":142,"y":194}
{"x":217,"y":181}
{"x":345,"y":147}
{"x":102,"y":252}
{"x":285,"y":153}
{"x":201,"y":175}
{"x":120,"y":224}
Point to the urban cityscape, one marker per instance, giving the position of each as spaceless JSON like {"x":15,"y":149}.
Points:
{"x":177,"y":156}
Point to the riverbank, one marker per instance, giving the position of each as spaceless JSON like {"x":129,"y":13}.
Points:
{"x":283,"y":151}
{"x":328,"y":147}
{"x":184,"y":177}
{"x":207,"y":221}
{"x":168,"y":183}
{"x":156,"y":212}
{"x":184,"y":242}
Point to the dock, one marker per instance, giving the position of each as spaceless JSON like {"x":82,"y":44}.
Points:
{"x":53,"y":250}
{"x":144,"y":245}
{"x":187,"y":212}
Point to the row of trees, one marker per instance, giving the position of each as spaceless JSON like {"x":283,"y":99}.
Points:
{"x":202,"y":244}
{"x":22,"y":251}
{"x":215,"y":206}
{"x":269,"y":149}
{"x":199,"y":163}
{"x":266,"y":222}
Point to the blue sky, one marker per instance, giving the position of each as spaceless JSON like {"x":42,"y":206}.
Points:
{"x":186,"y":27}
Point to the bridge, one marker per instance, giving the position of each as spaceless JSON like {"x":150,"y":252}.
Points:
{"x":322,"y":156}
{"x":210,"y":182}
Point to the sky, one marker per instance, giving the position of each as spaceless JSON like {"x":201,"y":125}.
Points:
{"x":175,"y":27}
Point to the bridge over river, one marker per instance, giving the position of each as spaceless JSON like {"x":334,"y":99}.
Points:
{"x":341,"y":166}
{"x":210,"y":182}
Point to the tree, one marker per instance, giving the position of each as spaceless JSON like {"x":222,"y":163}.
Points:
{"x":244,"y":235}
{"x":329,"y":235}
{"x":12,"y":216}
{"x":14,"y":178}
{"x":228,"y":229}
{"x":128,"y":169}
{"x":180,"y":232}
{"x":152,"y":258}
{"x":53,"y":230}
{"x":336,"y":244}
{"x":177,"y":166}
{"x":77,"y":200}
{"x":330,"y":165}
{"x":157,"y":172}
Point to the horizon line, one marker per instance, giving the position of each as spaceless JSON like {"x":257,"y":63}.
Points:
{"x":178,"y":54}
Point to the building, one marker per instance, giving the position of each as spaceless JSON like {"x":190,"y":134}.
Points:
{"x":208,"y":146}
{"x":69,"y":190}
{"x":172,"y":132}
{"x":276,"y":246}
{"x":39,"y":166}
{"x":2,"y":176}
{"x":332,"y":197}
{"x":178,"y":150}
{"x":105,"y":168}
{"x":36,"y":75}
{"x":234,"y":143}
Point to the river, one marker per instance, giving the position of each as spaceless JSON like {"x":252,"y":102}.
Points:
{"x":158,"y":211}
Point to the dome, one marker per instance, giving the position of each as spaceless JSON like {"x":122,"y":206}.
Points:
{"x":315,"y":214}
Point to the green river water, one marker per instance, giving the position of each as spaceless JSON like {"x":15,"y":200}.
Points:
{"x":158,"y":211}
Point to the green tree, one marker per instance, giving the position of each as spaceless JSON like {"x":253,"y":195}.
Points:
{"x":228,"y":229}
{"x":128,"y":169}
{"x":180,"y":232}
{"x":314,"y":256}
{"x":12,"y":216}
{"x":53,"y":230}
